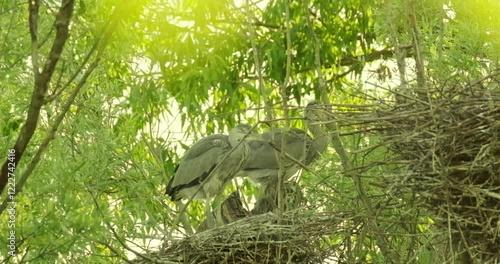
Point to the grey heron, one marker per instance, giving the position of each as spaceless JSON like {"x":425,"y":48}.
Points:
{"x":209,"y":164}
{"x":263,"y":165}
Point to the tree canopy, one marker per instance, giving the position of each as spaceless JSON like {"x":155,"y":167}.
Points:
{"x":100,"y":99}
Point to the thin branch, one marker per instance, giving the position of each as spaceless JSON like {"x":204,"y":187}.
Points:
{"x":34,"y":6}
{"x":400,"y":94}
{"x":294,"y":160}
{"x":118,"y":238}
{"x":383,"y":242}
{"x":262,"y":24}
{"x":399,"y":52}
{"x":258,"y":69}
{"x":256,"y":24}
{"x":317,"y":58}
{"x":52,"y":97}
{"x":51,"y":134}
{"x":383,"y":54}
{"x":100,"y":45}
{"x":114,"y":250}
{"x":284,"y":101}
{"x":419,"y":63}
{"x":40,"y":88}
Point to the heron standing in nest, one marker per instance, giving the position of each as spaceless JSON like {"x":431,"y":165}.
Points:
{"x":209,"y":165}
{"x":263,"y":165}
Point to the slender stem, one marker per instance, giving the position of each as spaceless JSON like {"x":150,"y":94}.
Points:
{"x":286,"y":81}
{"x":258,"y":69}
{"x":398,"y":50}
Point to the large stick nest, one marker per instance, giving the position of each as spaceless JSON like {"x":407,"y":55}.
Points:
{"x":454,"y":147}
{"x":451,"y":140}
{"x":297,"y":238}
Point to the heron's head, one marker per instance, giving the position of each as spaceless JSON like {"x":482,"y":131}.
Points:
{"x":315,"y":111}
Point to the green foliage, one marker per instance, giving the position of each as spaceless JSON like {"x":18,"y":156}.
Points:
{"x":196,"y":62}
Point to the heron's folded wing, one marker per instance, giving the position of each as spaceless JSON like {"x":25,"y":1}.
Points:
{"x":263,"y":155}
{"x":205,"y":144}
{"x":198,"y":162}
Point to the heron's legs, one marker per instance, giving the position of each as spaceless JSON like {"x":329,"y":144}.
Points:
{"x":217,"y":210}
{"x":183,"y":217}
{"x":213,"y":212}
{"x":208,"y":213}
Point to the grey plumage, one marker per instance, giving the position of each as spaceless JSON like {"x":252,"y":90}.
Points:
{"x":262,"y":166}
{"x":209,"y":155}
{"x":212,"y":162}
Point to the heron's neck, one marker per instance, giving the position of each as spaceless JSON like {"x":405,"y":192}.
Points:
{"x":317,"y":131}
{"x":321,"y":138}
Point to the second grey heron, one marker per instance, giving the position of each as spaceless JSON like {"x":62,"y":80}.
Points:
{"x":262,"y":166}
{"x":208,"y":165}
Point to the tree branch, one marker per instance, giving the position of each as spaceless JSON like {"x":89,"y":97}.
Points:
{"x":337,"y":143}
{"x":98,"y":48}
{"x":41,"y":83}
{"x":33,"y":25}
{"x":283,"y":88}
{"x":51,"y":134}
{"x":419,"y":62}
